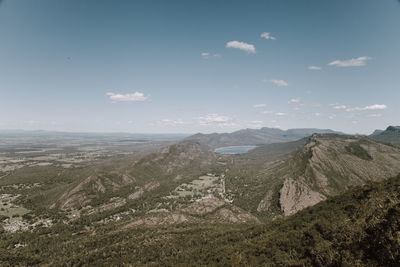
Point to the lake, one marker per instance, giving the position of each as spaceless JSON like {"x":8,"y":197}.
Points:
{"x":234,"y":149}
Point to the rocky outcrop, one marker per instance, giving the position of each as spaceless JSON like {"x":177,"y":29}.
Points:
{"x":141,"y":190}
{"x":265,"y":203}
{"x":296,"y":195}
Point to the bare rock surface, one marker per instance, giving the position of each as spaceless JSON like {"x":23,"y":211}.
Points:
{"x":295,"y":196}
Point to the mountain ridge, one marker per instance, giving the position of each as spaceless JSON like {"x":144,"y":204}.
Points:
{"x":318,"y":167}
{"x":391,"y":134}
{"x":256,"y":136}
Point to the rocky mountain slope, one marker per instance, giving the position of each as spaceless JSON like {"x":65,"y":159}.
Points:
{"x":161,"y":170}
{"x":269,"y":181}
{"x":323,"y":166}
{"x":188,"y":182}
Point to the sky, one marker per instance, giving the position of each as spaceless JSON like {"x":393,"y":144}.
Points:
{"x":199,"y":66}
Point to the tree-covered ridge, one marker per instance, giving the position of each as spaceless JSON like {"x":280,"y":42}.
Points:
{"x":358,"y":228}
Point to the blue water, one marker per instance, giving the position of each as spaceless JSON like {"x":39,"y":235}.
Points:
{"x":234,"y":149}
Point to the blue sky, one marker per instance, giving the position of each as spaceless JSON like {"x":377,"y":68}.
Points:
{"x":199,"y":66}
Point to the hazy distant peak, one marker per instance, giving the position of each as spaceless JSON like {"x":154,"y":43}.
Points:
{"x":391,"y":134}
{"x":261,"y":136}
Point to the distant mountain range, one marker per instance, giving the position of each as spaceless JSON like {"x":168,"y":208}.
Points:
{"x":391,"y":134}
{"x":256,"y":136}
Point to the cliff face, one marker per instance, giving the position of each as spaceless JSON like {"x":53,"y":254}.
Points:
{"x":297,"y":195}
{"x":331,"y":165}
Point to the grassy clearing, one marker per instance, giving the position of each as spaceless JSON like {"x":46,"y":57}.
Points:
{"x":198,"y":186}
{"x":9,"y":209}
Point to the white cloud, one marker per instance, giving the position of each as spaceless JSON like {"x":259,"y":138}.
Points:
{"x":134,"y":97}
{"x":259,"y":105}
{"x":354,"y":109}
{"x":267,"y":35}
{"x":354,"y":62}
{"x":376,"y":107}
{"x":216,"y":119}
{"x":279,"y":82}
{"x":294,"y":101}
{"x":242,"y":46}
{"x":171,"y":122}
{"x":280,"y":114}
{"x":339,"y":107}
{"x":207,"y":55}
{"x":314,"y":68}
{"x":371,"y":107}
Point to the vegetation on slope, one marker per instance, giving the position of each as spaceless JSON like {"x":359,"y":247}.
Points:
{"x":358,"y":228}
{"x":307,"y":172}
{"x":127,"y":212}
